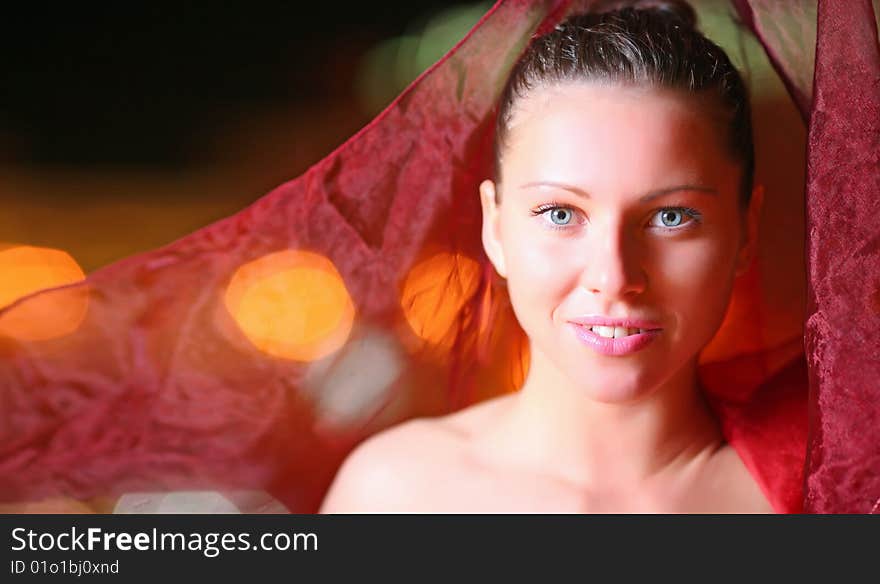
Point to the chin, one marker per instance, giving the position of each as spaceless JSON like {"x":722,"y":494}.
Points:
{"x":619,"y":394}
{"x":616,"y":385}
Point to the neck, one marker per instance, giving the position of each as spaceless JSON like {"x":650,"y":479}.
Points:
{"x":556,"y":426}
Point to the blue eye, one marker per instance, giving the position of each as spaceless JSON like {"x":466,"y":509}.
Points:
{"x":561,"y":215}
{"x":674,"y":217}
{"x":671,"y":217}
{"x":557,"y":215}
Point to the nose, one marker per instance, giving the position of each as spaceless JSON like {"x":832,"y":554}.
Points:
{"x":614,"y":263}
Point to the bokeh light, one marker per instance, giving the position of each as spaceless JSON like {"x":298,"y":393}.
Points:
{"x":353,"y":384}
{"x":391,"y":65}
{"x":434,"y":292}
{"x":203,"y":502}
{"x":26,"y":269}
{"x":444,"y":30}
{"x":291,"y":304}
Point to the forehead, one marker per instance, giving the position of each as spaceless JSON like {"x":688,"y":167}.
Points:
{"x":614,"y":138}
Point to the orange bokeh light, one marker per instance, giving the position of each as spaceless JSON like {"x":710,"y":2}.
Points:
{"x":25,"y":270}
{"x":434,"y":292}
{"x":292,"y":305}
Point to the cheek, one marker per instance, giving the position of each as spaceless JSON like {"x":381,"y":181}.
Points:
{"x":687,"y":266}
{"x":540,"y":273}
{"x":694,"y":280}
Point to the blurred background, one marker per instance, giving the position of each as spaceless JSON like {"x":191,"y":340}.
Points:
{"x":124,"y":129}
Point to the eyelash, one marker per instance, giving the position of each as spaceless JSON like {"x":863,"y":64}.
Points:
{"x":696,"y":216}
{"x":552,"y":206}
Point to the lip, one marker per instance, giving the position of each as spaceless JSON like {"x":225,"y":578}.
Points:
{"x":616,"y":347}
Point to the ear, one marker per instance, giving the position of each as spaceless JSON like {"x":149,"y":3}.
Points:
{"x":749,"y":246}
{"x":491,"y":227}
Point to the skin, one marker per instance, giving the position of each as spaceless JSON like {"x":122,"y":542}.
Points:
{"x":590,"y":432}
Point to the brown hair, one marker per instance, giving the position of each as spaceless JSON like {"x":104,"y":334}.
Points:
{"x":636,"y":43}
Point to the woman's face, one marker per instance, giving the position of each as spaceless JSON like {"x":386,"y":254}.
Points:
{"x":617,"y":204}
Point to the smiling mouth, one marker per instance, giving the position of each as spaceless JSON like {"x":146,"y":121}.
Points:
{"x":616,"y":341}
{"x":616,"y":332}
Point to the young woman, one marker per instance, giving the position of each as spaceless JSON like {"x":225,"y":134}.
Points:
{"x":256,"y":353}
{"x":622,"y":210}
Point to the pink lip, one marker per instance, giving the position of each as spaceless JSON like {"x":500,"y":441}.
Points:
{"x":615,"y":347}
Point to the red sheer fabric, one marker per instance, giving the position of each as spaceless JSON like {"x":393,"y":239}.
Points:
{"x":256,"y":352}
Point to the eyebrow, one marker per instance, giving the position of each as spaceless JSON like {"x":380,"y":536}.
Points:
{"x":647,"y":197}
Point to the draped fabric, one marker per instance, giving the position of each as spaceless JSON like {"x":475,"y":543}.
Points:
{"x":843,"y":246}
{"x":255,"y":353}
{"x":837,"y":88}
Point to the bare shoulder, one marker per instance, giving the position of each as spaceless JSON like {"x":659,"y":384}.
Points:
{"x":384,"y":473}
{"x":390,"y":471}
{"x":734,"y":486}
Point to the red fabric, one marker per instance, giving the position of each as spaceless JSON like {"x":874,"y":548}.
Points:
{"x":159,"y":389}
{"x":841,"y":330}
{"x":787,"y":31}
{"x":843,"y":245}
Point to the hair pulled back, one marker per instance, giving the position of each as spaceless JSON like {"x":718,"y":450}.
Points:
{"x":640,"y":43}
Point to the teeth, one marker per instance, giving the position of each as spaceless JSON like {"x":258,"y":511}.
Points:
{"x":615,"y":332}
{"x":604,"y":331}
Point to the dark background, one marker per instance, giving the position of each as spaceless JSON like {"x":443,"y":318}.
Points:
{"x":129,"y":86}
{"x":124,"y":128}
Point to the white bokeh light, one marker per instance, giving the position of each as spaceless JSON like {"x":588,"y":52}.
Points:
{"x":354,"y":382}
{"x":203,"y":502}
